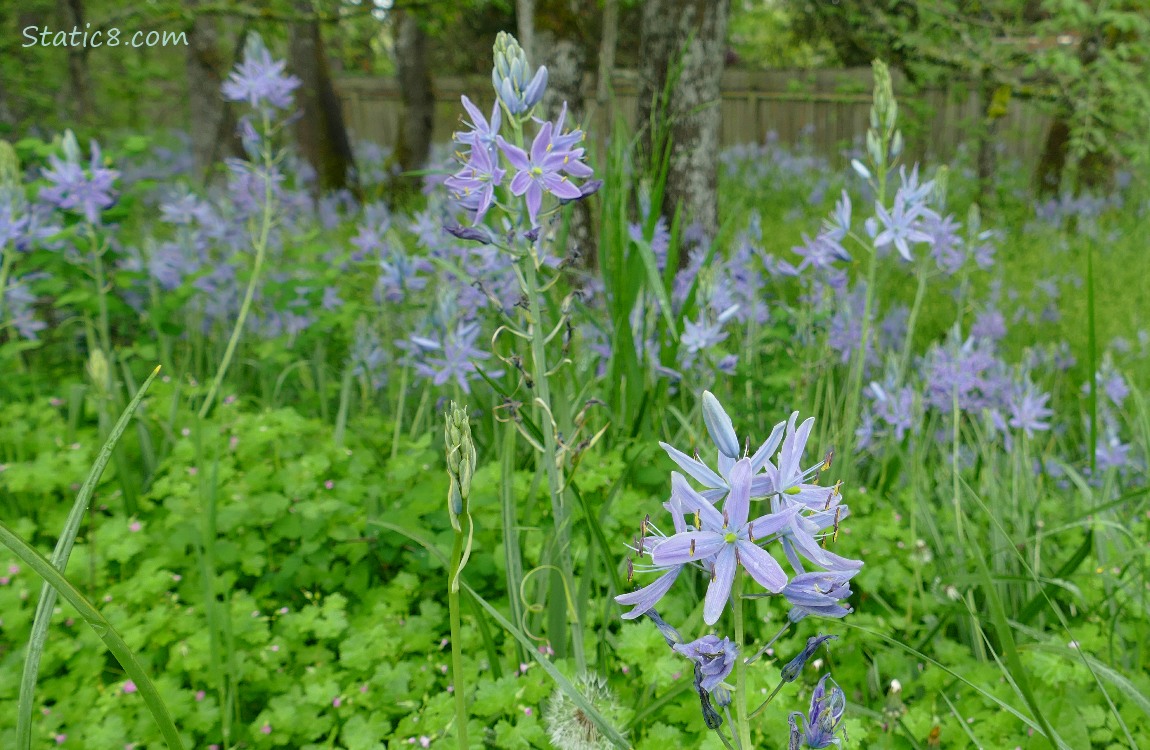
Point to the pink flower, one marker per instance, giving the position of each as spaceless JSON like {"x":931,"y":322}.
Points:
{"x":363,"y":688}
{"x":527,"y":711}
{"x":337,"y":701}
{"x":135,"y":526}
{"x":4,"y":580}
{"x":266,"y":729}
{"x":60,"y":738}
{"x":13,"y":569}
{"x":130,"y":687}
{"x":425,"y":741}
{"x":329,"y":484}
{"x":200,"y":695}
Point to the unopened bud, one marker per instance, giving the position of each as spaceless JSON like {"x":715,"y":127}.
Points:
{"x":98,"y":370}
{"x":460,"y":452}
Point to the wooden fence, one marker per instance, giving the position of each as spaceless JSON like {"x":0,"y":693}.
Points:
{"x":828,"y":108}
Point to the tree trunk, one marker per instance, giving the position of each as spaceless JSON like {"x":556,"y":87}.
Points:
{"x":72,"y":15}
{"x":683,"y":46}
{"x":566,"y":61}
{"x":988,"y":129}
{"x":525,"y":28}
{"x":416,"y":92}
{"x":211,"y":121}
{"x":320,"y":129}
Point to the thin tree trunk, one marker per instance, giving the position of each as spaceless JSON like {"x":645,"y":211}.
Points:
{"x":417,"y":94}
{"x":607,"y":44}
{"x":211,"y":121}
{"x":566,"y":61}
{"x":988,"y":129}
{"x":320,"y":130}
{"x":684,"y":42}
{"x":525,"y":27}
{"x":80,"y":82}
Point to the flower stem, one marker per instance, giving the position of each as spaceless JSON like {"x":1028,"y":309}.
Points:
{"x":919,"y":293}
{"x":751,"y":660}
{"x":457,"y":679}
{"x":545,"y":414}
{"x":744,"y":726}
{"x":512,"y":555}
{"x":261,"y":247}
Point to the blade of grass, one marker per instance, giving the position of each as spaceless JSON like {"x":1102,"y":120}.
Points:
{"x":103,"y":629}
{"x":60,"y":555}
{"x":1006,"y":643}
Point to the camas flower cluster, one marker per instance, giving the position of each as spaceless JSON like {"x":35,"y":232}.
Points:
{"x":714,"y":531}
{"x":554,"y":158}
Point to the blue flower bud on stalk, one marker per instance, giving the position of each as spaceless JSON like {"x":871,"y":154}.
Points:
{"x":509,"y":76}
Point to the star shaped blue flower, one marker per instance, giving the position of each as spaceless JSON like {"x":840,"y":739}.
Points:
{"x":728,"y":537}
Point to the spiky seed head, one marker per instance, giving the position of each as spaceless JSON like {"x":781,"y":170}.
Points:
{"x":569,"y":726}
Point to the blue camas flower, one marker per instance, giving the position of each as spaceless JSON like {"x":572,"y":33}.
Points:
{"x":544,"y":169}
{"x":259,"y":80}
{"x":474,"y":185}
{"x":715,"y":657}
{"x":820,"y":726}
{"x":902,"y":225}
{"x":70,"y":189}
{"x":818,"y":594}
{"x":726,"y":537}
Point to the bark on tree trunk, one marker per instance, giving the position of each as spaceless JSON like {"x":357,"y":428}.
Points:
{"x":987,"y":158}
{"x":684,"y":41}
{"x":525,"y":27}
{"x":72,"y":14}
{"x":417,"y":94}
{"x":320,"y":129}
{"x":212,"y":123}
{"x":566,"y":61}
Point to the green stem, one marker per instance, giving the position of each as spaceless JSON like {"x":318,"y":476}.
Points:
{"x":457,"y":679}
{"x":101,"y":299}
{"x":545,"y":413}
{"x":512,"y":555}
{"x":9,"y":259}
{"x":744,"y":728}
{"x":919,"y":293}
{"x":261,"y":251}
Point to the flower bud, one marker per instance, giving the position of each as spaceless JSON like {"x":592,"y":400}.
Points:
{"x":719,"y":425}
{"x":460,"y":451}
{"x":71,"y":147}
{"x":98,"y":370}
{"x":509,"y":76}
